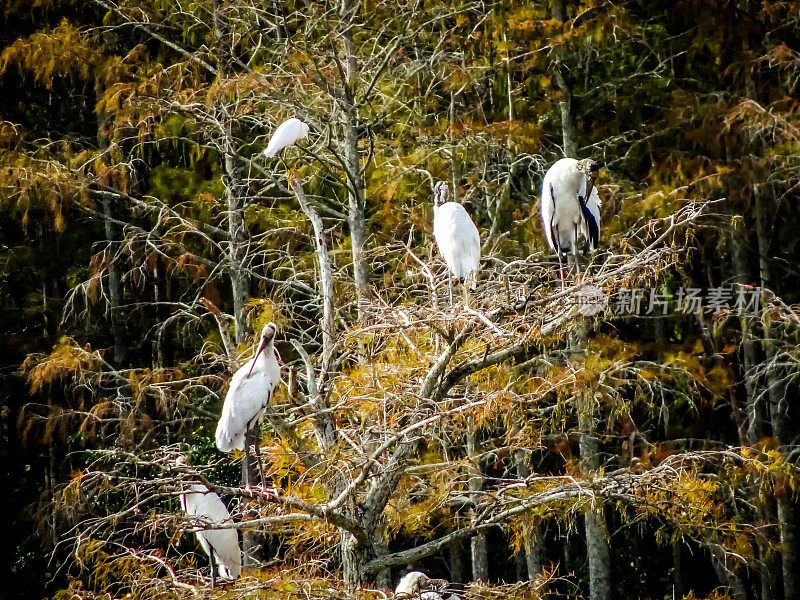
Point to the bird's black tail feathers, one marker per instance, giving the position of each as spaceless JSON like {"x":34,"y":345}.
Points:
{"x":594,"y":229}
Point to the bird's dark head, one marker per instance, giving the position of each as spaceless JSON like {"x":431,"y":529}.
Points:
{"x":441,"y":193}
{"x":268,"y":333}
{"x":267,"y":337}
{"x":589,"y":167}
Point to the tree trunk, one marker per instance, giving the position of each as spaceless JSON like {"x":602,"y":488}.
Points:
{"x":776,"y":387}
{"x":597,"y":546}
{"x":354,"y":557}
{"x":454,"y":170}
{"x":383,"y":578}
{"x":532,"y":534}
{"x":755,"y":410}
{"x":677,"y":570}
{"x":756,"y":415}
{"x":569,"y":131}
{"x":236,"y":190}
{"x":237,"y":244}
{"x":480,"y":556}
{"x":456,"y":562}
{"x":355,"y":189}
{"x":114,"y":279}
{"x":787,"y":527}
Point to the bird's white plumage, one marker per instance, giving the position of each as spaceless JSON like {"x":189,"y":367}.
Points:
{"x":199,"y":501}
{"x":287,"y":133}
{"x":562,"y":217}
{"x":412,"y":585}
{"x":248,"y":396}
{"x":458,"y":240}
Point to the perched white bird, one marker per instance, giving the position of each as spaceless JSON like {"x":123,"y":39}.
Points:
{"x":457,"y":237}
{"x":570,"y":208}
{"x":246,"y":401}
{"x":416,"y":584}
{"x":287,"y":133}
{"x":221,"y":545}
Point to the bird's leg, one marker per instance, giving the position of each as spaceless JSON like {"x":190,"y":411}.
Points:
{"x":244,"y":461}
{"x":450,"y":287}
{"x":260,"y":465}
{"x":561,"y":270}
{"x":246,"y":474}
{"x":466,"y":291}
{"x":577,"y":257}
{"x":290,"y":173}
{"x":213,"y":568}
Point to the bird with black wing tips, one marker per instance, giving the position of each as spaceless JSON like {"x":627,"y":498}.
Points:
{"x":570,"y":206}
{"x":245,"y":403}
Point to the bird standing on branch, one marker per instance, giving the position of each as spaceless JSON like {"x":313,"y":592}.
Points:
{"x":570,"y":206}
{"x":221,"y":545}
{"x":288,"y":133}
{"x":458,"y":239}
{"x":251,"y":388}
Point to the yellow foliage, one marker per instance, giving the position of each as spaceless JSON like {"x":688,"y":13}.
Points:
{"x":60,"y":52}
{"x":67,"y":359}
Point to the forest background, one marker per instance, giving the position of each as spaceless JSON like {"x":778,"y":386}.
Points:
{"x":512,"y":442}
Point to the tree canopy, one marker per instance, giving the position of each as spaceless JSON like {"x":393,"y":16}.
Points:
{"x":633,"y":434}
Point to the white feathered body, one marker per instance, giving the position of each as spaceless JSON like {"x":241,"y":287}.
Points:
{"x":287,"y":133}
{"x":458,"y":240}
{"x":562,"y":217}
{"x":410,"y":586}
{"x":247,"y":398}
{"x":199,"y":501}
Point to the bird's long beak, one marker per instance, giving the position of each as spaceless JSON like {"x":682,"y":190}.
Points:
{"x":261,"y":346}
{"x":589,"y":186}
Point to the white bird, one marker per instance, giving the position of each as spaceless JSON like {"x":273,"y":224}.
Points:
{"x":246,"y":401}
{"x":568,"y":208}
{"x":457,"y":237}
{"x":287,"y":133}
{"x":416,"y":584}
{"x":221,"y":545}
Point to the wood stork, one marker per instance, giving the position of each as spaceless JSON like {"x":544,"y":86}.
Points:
{"x":570,"y":208}
{"x":458,"y":239}
{"x":287,"y":133}
{"x":246,"y":401}
{"x":416,"y":584}
{"x":221,"y":545}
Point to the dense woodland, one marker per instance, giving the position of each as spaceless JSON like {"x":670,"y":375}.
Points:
{"x":508,"y":444}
